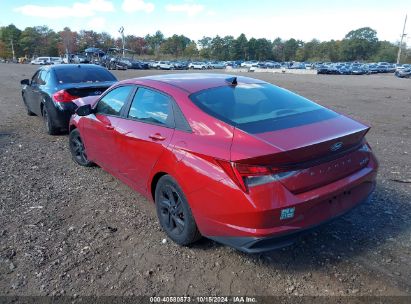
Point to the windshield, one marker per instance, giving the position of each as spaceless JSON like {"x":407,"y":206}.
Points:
{"x":86,"y":74}
{"x":257,"y":108}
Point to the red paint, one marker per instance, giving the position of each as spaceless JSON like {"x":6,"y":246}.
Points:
{"x":323,"y":186}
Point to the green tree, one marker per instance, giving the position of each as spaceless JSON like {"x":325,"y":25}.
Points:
{"x":217,"y":48}
{"x":191,"y":50}
{"x":175,"y":45}
{"x":240,"y":48}
{"x":252,"y":48}
{"x":205,"y":47}
{"x":263,"y":49}
{"x":386,"y":51}
{"x":359,"y":44}
{"x":227,"y":53}
{"x":154,"y":42}
{"x":278,"y":49}
{"x":10,"y":36}
{"x":29,"y":41}
{"x":290,"y":49}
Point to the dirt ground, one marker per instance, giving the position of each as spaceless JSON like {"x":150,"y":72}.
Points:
{"x":70,"y":230}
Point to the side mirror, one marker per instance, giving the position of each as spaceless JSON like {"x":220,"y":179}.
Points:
{"x":84,"y":110}
{"x":25,"y":82}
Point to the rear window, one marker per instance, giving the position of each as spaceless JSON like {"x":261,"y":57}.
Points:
{"x":83,"y":74}
{"x":257,"y":108}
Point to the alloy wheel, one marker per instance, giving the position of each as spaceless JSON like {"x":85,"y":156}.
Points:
{"x":171,"y":210}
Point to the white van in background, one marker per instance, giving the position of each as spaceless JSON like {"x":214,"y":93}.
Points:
{"x":41,"y":61}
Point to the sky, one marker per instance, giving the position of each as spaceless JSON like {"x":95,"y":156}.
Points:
{"x":269,"y":19}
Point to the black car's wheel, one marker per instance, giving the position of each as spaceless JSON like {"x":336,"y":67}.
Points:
{"x":78,"y":152}
{"x":29,"y":113}
{"x":174,"y":213}
{"x":51,"y":129}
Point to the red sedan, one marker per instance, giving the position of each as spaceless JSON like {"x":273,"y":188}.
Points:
{"x":234,"y":159}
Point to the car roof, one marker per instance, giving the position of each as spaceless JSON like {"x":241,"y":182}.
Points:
{"x":73,"y":66}
{"x":194,"y":82}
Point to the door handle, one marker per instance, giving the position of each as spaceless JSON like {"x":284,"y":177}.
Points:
{"x":109,"y":127}
{"x":157,"y":137}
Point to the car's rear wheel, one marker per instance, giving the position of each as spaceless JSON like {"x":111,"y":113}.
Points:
{"x":51,"y":129}
{"x":77,"y":149}
{"x":174,"y":213}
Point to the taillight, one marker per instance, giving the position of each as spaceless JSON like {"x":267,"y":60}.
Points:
{"x":245,"y":175}
{"x":63,"y":96}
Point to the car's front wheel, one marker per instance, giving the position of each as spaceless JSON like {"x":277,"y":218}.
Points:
{"x":77,"y":150}
{"x":174,"y":213}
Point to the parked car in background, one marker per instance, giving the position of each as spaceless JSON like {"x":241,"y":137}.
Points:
{"x":403,"y":73}
{"x":165,"y":65}
{"x":180,"y":65}
{"x":134,"y":64}
{"x":52,"y":89}
{"x":402,"y":66}
{"x":56,"y":60}
{"x":80,"y":58}
{"x":198,"y":65}
{"x":235,"y":159}
{"x":217,"y":65}
{"x":249,"y":64}
{"x":359,"y":69}
{"x":41,"y":61}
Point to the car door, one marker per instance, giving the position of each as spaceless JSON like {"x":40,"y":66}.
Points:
{"x":99,"y":129}
{"x":144,"y":135}
{"x":31,"y":93}
{"x":42,"y":91}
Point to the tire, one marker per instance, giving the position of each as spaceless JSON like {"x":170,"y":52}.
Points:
{"x":77,"y":150}
{"x":48,"y":123}
{"x":174,"y":213}
{"x":203,"y":67}
{"x":29,"y":113}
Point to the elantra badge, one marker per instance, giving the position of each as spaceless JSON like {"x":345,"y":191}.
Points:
{"x":337,"y":146}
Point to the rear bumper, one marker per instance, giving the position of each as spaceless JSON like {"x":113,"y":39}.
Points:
{"x":255,"y":222}
{"x":61,"y":113}
{"x":263,"y":244}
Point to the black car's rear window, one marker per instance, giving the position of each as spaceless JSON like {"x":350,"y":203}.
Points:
{"x":257,"y":108}
{"x":83,"y":74}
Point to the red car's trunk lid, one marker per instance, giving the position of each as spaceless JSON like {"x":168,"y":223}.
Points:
{"x":318,"y":149}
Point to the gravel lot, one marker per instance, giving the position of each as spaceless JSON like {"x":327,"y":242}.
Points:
{"x":70,"y":230}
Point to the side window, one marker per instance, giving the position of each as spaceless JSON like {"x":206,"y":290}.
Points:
{"x":35,"y":78}
{"x":153,"y":107}
{"x":43,"y":76}
{"x":113,"y":102}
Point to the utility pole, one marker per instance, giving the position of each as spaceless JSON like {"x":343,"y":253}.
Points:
{"x":12,"y":49}
{"x":121,"y":31}
{"x":402,"y":38}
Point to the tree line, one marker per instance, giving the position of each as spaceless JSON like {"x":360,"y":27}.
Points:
{"x":360,"y":44}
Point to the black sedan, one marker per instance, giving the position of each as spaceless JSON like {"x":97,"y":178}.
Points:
{"x":52,"y":89}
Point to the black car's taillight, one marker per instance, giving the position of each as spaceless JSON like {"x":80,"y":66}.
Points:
{"x":63,"y":96}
